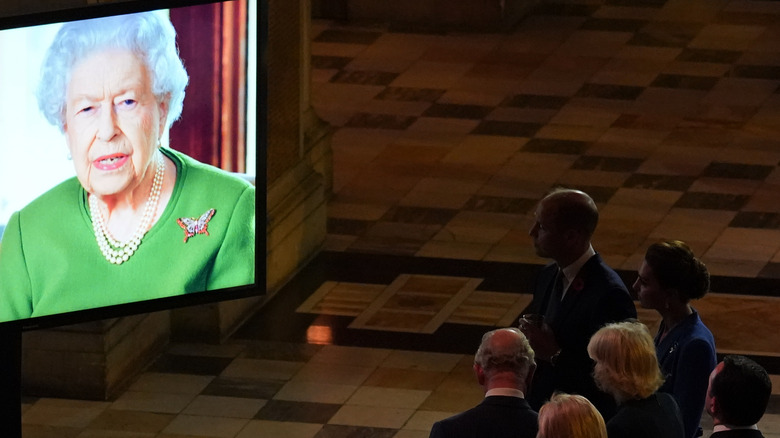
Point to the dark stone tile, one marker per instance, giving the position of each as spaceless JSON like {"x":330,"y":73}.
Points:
{"x":339,"y":431}
{"x":754,"y":172}
{"x":756,"y":219}
{"x":243,"y":388}
{"x":613,"y":24}
{"x":329,"y":62}
{"x":419,"y":215}
{"x":380,"y":121}
{"x":684,"y":82}
{"x":677,"y":183}
{"x":349,"y":227}
{"x":347,"y":36}
{"x":303,"y":412}
{"x":555,"y":146}
{"x":361,"y":77}
{"x":507,"y":129}
{"x":770,"y":72}
{"x":535,"y":101}
{"x":709,"y":55}
{"x":712,"y":201}
{"x":607,"y":164}
{"x":198,"y":365}
{"x":666,"y":34}
{"x":455,"y":111}
{"x":607,"y":91}
{"x":496,"y":204}
{"x":566,"y":9}
{"x":408,"y":94}
{"x":275,"y":350}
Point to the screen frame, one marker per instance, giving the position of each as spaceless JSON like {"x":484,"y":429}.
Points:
{"x":180,"y":299}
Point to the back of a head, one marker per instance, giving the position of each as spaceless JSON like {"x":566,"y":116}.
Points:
{"x":626,"y":361}
{"x":570,"y":416}
{"x":574,"y":209}
{"x":505,"y":350}
{"x":741,"y":389}
{"x":675,"y":267}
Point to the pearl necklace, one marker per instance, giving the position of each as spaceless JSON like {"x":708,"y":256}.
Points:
{"x":119,"y":252}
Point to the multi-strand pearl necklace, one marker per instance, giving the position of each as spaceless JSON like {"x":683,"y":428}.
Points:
{"x":119,"y":252}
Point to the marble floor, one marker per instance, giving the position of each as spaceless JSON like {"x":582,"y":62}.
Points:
{"x":666,"y":111}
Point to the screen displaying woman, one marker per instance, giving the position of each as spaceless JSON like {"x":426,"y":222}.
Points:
{"x":139,"y":220}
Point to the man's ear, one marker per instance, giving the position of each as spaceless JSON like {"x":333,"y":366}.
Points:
{"x":480,"y":373}
{"x":711,"y":407}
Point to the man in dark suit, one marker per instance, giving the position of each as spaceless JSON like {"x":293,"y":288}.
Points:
{"x":576,"y":295}
{"x":503,"y":364}
{"x":737,"y":397}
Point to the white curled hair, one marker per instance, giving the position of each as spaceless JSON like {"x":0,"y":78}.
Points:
{"x":148,"y":35}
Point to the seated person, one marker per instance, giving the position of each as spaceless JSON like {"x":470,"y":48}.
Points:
{"x":627,"y":367}
{"x":570,"y":416}
{"x":737,"y":397}
{"x":504,"y":365}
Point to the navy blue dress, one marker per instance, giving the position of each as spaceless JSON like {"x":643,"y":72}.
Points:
{"x":687,"y":357}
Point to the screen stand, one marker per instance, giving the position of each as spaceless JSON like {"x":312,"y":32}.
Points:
{"x":11,"y":380}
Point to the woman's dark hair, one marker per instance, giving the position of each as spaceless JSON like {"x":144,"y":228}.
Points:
{"x":675,"y":267}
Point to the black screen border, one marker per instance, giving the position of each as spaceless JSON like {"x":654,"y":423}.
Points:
{"x":180,"y":299}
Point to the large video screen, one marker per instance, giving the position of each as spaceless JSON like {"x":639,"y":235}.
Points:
{"x":131,"y":139}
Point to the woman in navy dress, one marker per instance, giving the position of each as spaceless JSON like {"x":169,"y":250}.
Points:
{"x":669,"y":278}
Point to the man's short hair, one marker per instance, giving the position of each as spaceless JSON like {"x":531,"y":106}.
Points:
{"x":574,"y":210}
{"x":518,"y":357}
{"x":742,"y":389}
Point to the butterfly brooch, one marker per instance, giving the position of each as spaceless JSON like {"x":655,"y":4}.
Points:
{"x":193,"y":226}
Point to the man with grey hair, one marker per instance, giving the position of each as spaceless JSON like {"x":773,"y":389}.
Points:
{"x":504,"y":366}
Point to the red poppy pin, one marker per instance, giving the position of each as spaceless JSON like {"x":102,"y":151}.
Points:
{"x":578,"y":284}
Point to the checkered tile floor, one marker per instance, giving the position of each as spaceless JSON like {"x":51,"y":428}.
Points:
{"x":666,"y":111}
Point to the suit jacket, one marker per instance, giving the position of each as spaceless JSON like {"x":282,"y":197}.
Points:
{"x":738,"y":433}
{"x":657,"y":416}
{"x":596,"y":297}
{"x":496,"y":417}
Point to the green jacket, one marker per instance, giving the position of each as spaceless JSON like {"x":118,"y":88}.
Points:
{"x":50,"y":262}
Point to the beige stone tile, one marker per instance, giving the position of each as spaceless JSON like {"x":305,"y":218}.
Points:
{"x":421,"y":360}
{"x":423,"y":420}
{"x":113,"y":422}
{"x":276,"y":429}
{"x":403,"y":433}
{"x":439,"y":124}
{"x":431,"y":74}
{"x":171,"y":383}
{"x":371,"y":416}
{"x":419,"y":196}
{"x":164,"y":403}
{"x":340,"y":374}
{"x":726,"y":37}
{"x":730,"y":317}
{"x":404,"y":378}
{"x":229,"y":407}
{"x":55,"y":412}
{"x":261,"y":368}
{"x":388,"y":397}
{"x":315,"y":392}
{"x":216,"y":427}
{"x":454,"y":250}
{"x":192,"y":349}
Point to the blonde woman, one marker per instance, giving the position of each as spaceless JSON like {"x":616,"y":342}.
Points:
{"x":570,"y":416}
{"x":627,"y":368}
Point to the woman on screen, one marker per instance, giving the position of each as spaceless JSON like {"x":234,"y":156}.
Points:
{"x":138,"y":221}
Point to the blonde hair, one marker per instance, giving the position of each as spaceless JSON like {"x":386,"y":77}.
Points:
{"x":626,"y":362}
{"x":570,"y":416}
